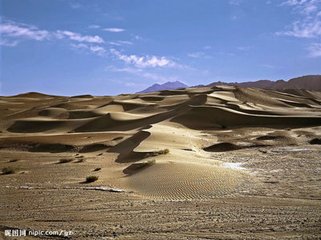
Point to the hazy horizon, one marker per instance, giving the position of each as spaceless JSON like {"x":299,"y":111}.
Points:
{"x":113,"y":47}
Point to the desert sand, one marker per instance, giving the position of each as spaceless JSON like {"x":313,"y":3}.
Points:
{"x":217,"y":162}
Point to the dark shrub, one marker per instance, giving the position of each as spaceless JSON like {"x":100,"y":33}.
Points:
{"x":8,"y":170}
{"x":90,"y":179}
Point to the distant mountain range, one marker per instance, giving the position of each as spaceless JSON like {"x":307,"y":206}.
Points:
{"x":165,"y":86}
{"x":309,"y":82}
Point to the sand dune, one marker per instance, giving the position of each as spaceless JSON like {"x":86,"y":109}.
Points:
{"x":173,"y":180}
{"x":163,"y":144}
{"x":215,"y":117}
{"x":217,"y":162}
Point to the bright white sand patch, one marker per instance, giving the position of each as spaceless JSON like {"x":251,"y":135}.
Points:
{"x":236,"y":166}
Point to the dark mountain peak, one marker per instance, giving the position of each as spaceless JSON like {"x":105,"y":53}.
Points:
{"x":165,"y":86}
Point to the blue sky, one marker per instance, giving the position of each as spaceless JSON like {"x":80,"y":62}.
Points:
{"x":107,"y":47}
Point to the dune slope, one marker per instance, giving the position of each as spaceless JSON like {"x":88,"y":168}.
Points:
{"x":163,"y":144}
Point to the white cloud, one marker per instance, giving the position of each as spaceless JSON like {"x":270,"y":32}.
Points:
{"x":8,"y":43}
{"x":120,"y":43}
{"x":12,"y":33}
{"x":17,"y":30}
{"x":114,"y":30}
{"x":305,"y":29}
{"x":303,"y":6}
{"x":144,"y":61}
{"x":96,"y":49}
{"x":78,"y":37}
{"x":142,"y":73}
{"x":315,"y":50}
{"x":308,"y":24}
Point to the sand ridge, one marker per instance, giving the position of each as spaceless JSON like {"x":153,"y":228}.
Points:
{"x":168,"y":139}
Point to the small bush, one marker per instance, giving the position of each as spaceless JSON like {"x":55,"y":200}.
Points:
{"x":65,"y":160}
{"x":90,"y":179}
{"x":160,"y":152}
{"x":164,"y":151}
{"x":97,"y":169}
{"x":13,"y":160}
{"x":8,"y":170}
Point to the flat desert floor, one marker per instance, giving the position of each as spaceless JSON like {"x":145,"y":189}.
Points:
{"x":196,"y":163}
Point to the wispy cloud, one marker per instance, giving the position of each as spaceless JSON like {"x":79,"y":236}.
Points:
{"x":308,"y":24}
{"x":24,"y":31}
{"x":142,"y":73}
{"x":121,"y":43}
{"x":305,"y":29}
{"x":19,"y":31}
{"x":78,"y":37}
{"x":144,"y":61}
{"x":303,"y":6}
{"x":315,"y":50}
{"x":114,"y":30}
{"x":13,"y":33}
{"x":8,"y":43}
{"x":96,"y":49}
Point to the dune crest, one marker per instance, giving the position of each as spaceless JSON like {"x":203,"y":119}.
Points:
{"x":165,"y":144}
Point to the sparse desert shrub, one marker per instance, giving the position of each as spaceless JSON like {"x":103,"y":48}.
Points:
{"x":90,"y":179}
{"x":97,"y":169}
{"x":8,"y":170}
{"x":164,"y":151}
{"x":154,"y":154}
{"x":13,"y":160}
{"x":65,"y":160}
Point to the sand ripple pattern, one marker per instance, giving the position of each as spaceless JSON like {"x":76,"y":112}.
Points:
{"x":180,"y":181}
